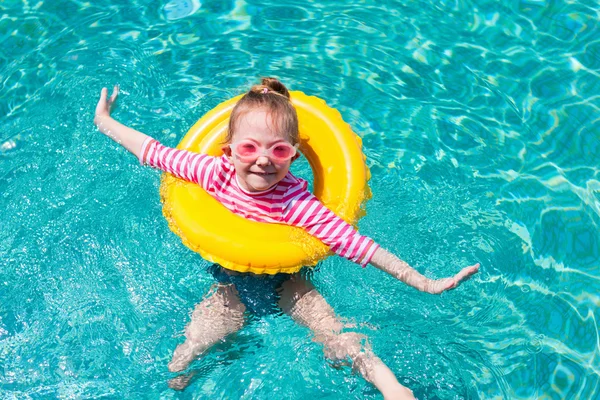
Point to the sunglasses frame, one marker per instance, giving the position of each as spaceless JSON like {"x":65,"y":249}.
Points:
{"x":263,"y":152}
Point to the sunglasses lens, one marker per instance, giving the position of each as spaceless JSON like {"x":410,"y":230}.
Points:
{"x":282,"y":152}
{"x":246,"y":149}
{"x":249,"y":151}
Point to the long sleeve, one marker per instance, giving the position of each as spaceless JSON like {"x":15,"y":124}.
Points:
{"x":306,"y":211}
{"x":187,"y":165}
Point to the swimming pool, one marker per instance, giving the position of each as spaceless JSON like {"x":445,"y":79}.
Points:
{"x":481,"y":126}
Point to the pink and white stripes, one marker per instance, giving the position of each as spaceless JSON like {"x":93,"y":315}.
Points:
{"x":288,"y":202}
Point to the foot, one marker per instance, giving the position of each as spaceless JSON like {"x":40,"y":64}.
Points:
{"x":184,"y":354}
{"x":181,"y":382}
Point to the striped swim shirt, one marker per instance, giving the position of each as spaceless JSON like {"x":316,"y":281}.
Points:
{"x":288,"y":202}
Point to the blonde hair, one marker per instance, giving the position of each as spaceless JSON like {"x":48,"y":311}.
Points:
{"x":273,"y":97}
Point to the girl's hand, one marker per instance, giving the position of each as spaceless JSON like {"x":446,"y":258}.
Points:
{"x":386,"y":261}
{"x":104,"y":107}
{"x":129,"y":138}
{"x":441,"y":285}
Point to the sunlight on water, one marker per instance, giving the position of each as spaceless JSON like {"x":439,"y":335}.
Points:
{"x":481,"y":126}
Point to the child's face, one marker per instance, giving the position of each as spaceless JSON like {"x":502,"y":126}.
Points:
{"x":262,"y":173}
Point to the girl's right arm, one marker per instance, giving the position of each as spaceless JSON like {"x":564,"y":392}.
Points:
{"x":129,"y":138}
{"x":183,"y":164}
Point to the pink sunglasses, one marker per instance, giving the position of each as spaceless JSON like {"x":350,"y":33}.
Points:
{"x":248,"y":151}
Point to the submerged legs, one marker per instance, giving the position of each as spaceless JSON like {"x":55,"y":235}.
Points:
{"x":217,"y":316}
{"x":305,"y":305}
{"x":222,"y":313}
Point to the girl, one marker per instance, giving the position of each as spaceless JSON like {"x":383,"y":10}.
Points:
{"x":252,"y":179}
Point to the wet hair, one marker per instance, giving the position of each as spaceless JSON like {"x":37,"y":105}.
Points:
{"x":273,"y":97}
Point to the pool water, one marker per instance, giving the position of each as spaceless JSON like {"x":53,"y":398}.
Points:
{"x":481,"y":124}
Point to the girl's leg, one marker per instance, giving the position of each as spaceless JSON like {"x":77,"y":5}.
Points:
{"x":217,"y":316}
{"x":305,"y":305}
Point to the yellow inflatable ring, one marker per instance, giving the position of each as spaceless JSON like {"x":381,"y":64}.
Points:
{"x":207,"y":227}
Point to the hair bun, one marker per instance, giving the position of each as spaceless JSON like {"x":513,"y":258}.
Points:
{"x":273,"y":97}
{"x":273,"y":85}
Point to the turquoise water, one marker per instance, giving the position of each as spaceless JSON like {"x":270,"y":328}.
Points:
{"x":481,"y":125}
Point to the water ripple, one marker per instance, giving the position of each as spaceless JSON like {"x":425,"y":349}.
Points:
{"x":480,"y":123}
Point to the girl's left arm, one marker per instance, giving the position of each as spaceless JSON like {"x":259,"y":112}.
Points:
{"x":386,"y":261}
{"x":306,"y":211}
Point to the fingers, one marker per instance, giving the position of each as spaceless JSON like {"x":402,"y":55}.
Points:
{"x":441,"y":285}
{"x":104,"y":106}
{"x":101,"y":106}
{"x":467,"y":272}
{"x":114,"y":95}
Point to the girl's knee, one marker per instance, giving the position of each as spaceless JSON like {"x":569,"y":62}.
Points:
{"x":218,"y":315}
{"x":345,"y":345}
{"x":305,"y":305}
{"x":355,"y":348}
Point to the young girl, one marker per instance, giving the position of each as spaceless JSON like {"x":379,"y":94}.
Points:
{"x":252,"y":179}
